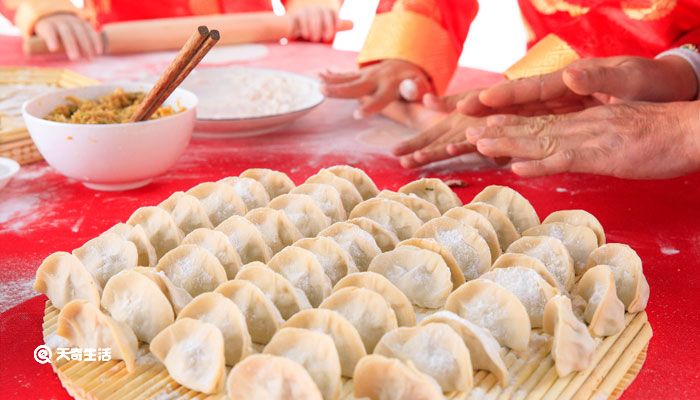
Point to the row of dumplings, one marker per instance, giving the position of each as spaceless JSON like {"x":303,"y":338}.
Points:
{"x":490,"y":264}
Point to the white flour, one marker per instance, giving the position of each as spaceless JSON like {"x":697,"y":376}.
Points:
{"x":16,"y":291}
{"x":236,"y":92}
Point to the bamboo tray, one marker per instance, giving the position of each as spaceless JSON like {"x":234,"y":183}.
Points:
{"x":616,"y":362}
{"x":15,"y":142}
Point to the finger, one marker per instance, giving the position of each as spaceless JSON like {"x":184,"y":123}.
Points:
{"x":533,"y":89}
{"x":623,"y":81}
{"x":339,"y":77}
{"x":371,"y":105}
{"x":471,"y":105}
{"x":421,"y":140}
{"x":69,"y":42}
{"x":409,"y":162}
{"x":457,"y":149}
{"x":315,"y":26}
{"x":303,"y":22}
{"x":83,"y":40}
{"x":555,"y":164}
{"x":520,"y":147}
{"x":442,"y":103}
{"x":351,"y":90}
{"x":329,"y":22}
{"x":95,"y":38}
{"x":431,"y":154}
{"x":49,"y":33}
{"x":515,"y":126}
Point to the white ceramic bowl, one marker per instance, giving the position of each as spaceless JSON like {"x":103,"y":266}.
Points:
{"x":112,"y":156}
{"x":8,"y":168}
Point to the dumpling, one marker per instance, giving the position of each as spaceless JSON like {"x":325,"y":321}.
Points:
{"x":132,"y":298}
{"x":381,"y":378}
{"x":507,"y":260}
{"x":424,"y":209}
{"x":275,"y":182}
{"x":246,"y":239}
{"x":288,"y":299}
{"x":303,"y":212}
{"x":83,"y":325}
{"x":161,"y":230}
{"x":579,"y":240}
{"x":493,"y":308}
{"x":528,"y":286}
{"x":219,"y":200}
{"x":277,"y":230}
{"x":604,"y":312}
{"x":326,"y":197}
{"x":477,"y":221}
{"x":106,"y":255}
{"x":466,"y":245}
{"x":430,"y":244}
{"x":348,"y":192}
{"x":434,"y":349}
{"x":193,"y":353}
{"x":137,"y":236}
{"x":573,"y":346}
{"x":187,"y":211}
{"x":433,"y":190}
{"x":357,"y":177}
{"x":217,"y":243}
{"x":553,"y":255}
{"x":366,"y":310}
{"x":505,"y":230}
{"x":390,"y":214}
{"x":301,"y":269}
{"x":421,"y":274}
{"x":252,"y":192}
{"x":357,"y":242}
{"x":315,"y":352}
{"x":261,"y":316}
{"x":578,"y":218}
{"x":385,"y":239}
{"x":630,"y":282}
{"x":214,"y":308}
{"x":62,"y":278}
{"x":510,"y":202}
{"x":405,"y":315}
{"x":336,"y":262}
{"x":192,"y":268}
{"x":263,"y":376}
{"x":177,"y":296}
{"x":484,"y":350}
{"x":345,"y":336}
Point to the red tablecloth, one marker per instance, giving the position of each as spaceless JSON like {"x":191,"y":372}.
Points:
{"x":659,"y":219}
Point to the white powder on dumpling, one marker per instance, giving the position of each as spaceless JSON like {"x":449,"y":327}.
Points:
{"x":624,"y":283}
{"x":463,"y":253}
{"x":551,"y":260}
{"x":524,"y":283}
{"x":487,"y":314}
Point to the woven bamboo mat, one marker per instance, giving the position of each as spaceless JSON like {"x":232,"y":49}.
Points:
{"x":617,"y":361}
{"x":15,"y":142}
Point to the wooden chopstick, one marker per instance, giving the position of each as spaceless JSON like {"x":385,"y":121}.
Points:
{"x":181,"y":66}
{"x":210,"y":41}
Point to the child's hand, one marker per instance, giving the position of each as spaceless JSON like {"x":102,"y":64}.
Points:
{"x":375,"y":85}
{"x":315,"y":23}
{"x":75,"y":35}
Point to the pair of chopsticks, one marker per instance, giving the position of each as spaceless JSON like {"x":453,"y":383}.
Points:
{"x":194,"y":50}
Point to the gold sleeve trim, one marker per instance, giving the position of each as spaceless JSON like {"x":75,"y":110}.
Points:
{"x":548,"y":55}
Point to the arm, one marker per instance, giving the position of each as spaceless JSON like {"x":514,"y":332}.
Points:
{"x":29,"y":12}
{"x":314,"y":20}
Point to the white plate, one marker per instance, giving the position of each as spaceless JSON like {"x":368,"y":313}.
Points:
{"x":8,"y":168}
{"x":242,"y":101}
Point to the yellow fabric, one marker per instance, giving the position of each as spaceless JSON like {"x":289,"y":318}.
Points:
{"x":548,"y":55}
{"x":409,"y":36}
{"x":293,"y":5}
{"x":30,"y":11}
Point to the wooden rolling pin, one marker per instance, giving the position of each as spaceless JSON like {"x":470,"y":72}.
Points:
{"x":170,"y":33}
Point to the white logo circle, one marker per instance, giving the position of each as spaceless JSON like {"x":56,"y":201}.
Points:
{"x":42,"y":354}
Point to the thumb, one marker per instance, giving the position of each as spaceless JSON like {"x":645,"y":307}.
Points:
{"x":621,"y":81}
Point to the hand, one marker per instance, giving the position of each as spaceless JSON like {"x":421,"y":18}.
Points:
{"x":315,"y":23}
{"x":631,"y":140}
{"x":75,"y":35}
{"x":376,"y":85}
{"x":442,"y":141}
{"x":586,"y":83}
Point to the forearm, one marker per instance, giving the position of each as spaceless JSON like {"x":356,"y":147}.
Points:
{"x":31,"y":11}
